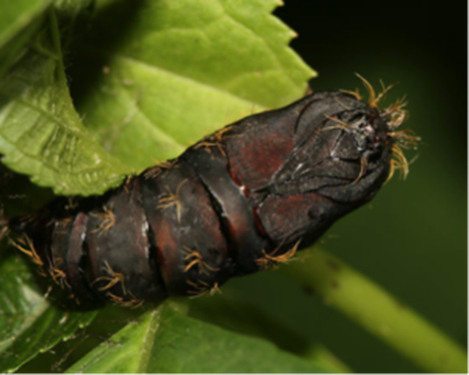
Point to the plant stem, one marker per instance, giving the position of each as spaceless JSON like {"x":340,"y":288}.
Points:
{"x":378,"y":312}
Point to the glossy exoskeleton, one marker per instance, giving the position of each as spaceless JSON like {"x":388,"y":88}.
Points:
{"x":245,"y":198}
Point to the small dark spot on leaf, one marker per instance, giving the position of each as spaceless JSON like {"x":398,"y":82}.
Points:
{"x":333,"y":265}
{"x":308,"y":290}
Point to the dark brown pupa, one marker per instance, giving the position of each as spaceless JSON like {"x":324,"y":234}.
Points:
{"x":242,"y":199}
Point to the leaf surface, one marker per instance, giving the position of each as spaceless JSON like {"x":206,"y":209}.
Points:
{"x":40,"y":132}
{"x":29,"y":323}
{"x":161,"y":74}
{"x":18,"y":21}
{"x":166,"y":341}
{"x":152,"y":78}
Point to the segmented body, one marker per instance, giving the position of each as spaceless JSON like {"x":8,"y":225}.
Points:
{"x":245,"y":198}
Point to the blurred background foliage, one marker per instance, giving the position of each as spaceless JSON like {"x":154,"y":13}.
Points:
{"x":412,"y":237}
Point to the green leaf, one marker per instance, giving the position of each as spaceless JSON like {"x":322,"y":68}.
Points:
{"x":229,"y":310}
{"x":29,"y":323}
{"x":166,"y":341}
{"x":169,"y":72}
{"x":19,"y":20}
{"x":40,"y":133}
{"x":155,"y":76}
